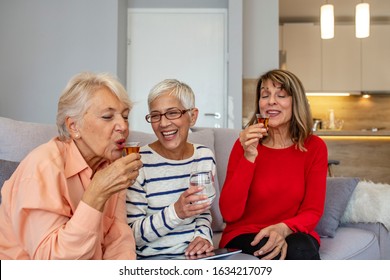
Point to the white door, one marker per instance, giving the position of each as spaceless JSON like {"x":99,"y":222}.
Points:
{"x":184,"y":44}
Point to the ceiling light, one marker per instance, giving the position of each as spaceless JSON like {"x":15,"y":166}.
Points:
{"x":328,"y":94}
{"x":362,"y":20}
{"x":327,"y":21}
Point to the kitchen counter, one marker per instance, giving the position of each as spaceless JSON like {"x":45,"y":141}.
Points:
{"x":322,"y":132}
{"x":362,"y":154}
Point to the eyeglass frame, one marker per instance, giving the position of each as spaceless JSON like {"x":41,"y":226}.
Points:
{"x":182,"y":112}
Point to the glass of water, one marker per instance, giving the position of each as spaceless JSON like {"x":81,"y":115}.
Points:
{"x":206,"y":180}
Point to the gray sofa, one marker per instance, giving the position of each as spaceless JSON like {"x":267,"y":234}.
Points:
{"x":339,"y":240}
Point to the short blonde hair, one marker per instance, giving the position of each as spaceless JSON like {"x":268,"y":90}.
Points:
{"x":75,"y":99}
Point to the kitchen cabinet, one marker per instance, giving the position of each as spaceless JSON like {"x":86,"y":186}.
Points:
{"x":344,"y":63}
{"x":302,"y":46}
{"x":376,"y":59}
{"x":341,"y":61}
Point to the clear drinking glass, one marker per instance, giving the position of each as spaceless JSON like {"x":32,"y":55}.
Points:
{"x":206,"y":180}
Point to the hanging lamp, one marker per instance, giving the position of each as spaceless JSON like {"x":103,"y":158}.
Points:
{"x":327,"y":21}
{"x":362,"y":20}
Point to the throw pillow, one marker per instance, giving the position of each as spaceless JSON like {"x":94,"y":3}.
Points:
{"x":6,"y":170}
{"x":338,"y":192}
{"x":369,"y":203}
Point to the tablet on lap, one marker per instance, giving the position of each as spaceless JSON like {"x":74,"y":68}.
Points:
{"x":216,"y":254}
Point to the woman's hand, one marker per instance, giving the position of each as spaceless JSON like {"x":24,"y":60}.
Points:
{"x":249,"y":139}
{"x":186,"y":205}
{"x":276,"y":241}
{"x":114,"y":178}
{"x":199,"y":246}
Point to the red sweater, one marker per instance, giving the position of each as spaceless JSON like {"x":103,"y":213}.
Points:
{"x":282,"y":185}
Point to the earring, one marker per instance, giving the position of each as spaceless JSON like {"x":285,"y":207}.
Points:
{"x":77,"y":136}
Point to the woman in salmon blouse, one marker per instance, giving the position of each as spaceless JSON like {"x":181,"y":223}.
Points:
{"x":66,"y":199}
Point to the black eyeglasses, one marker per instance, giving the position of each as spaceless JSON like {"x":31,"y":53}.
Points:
{"x":172,"y":114}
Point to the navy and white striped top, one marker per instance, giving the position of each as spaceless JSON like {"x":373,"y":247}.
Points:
{"x":150,"y":203}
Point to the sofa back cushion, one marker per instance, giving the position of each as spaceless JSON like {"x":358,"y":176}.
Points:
{"x":6,"y":170}
{"x":18,"y":138}
{"x":224,"y":141}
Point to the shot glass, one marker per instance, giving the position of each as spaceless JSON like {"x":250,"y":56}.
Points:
{"x":131,"y":147}
{"x":263,"y":118}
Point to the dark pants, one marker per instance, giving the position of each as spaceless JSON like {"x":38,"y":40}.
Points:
{"x":301,"y":246}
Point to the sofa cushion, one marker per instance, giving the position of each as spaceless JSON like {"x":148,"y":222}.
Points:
{"x":206,"y":138}
{"x":350,"y":244}
{"x":18,"y":138}
{"x":142,"y":137}
{"x":338,"y":192}
{"x":225,"y":138}
{"x":6,"y":170}
{"x":381,"y":233}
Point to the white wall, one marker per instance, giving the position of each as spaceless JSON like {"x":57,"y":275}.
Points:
{"x":45,"y":42}
{"x":261,"y":37}
{"x":235,"y":66}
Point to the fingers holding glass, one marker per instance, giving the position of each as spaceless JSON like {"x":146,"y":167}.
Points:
{"x":204,"y":179}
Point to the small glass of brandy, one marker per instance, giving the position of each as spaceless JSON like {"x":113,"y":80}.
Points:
{"x":263,"y":118}
{"x":131,"y":147}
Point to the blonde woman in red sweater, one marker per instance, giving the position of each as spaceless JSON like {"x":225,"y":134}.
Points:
{"x":274,"y":192}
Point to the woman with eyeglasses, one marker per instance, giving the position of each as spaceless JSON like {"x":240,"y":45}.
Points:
{"x":168,"y":217}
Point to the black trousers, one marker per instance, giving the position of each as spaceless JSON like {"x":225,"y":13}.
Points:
{"x":301,"y":246}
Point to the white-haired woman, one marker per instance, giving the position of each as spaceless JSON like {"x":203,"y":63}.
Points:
{"x":161,"y":207}
{"x":66,"y":199}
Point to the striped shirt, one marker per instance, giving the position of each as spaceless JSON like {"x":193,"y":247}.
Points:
{"x":150,"y":203}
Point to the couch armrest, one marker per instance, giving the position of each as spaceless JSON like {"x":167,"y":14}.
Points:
{"x":381,"y":232}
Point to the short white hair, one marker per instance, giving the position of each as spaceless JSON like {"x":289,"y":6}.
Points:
{"x":175,"y":88}
{"x":75,"y":99}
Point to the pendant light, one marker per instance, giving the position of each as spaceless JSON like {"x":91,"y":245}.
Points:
{"x":327,"y":21}
{"x":362,"y":20}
